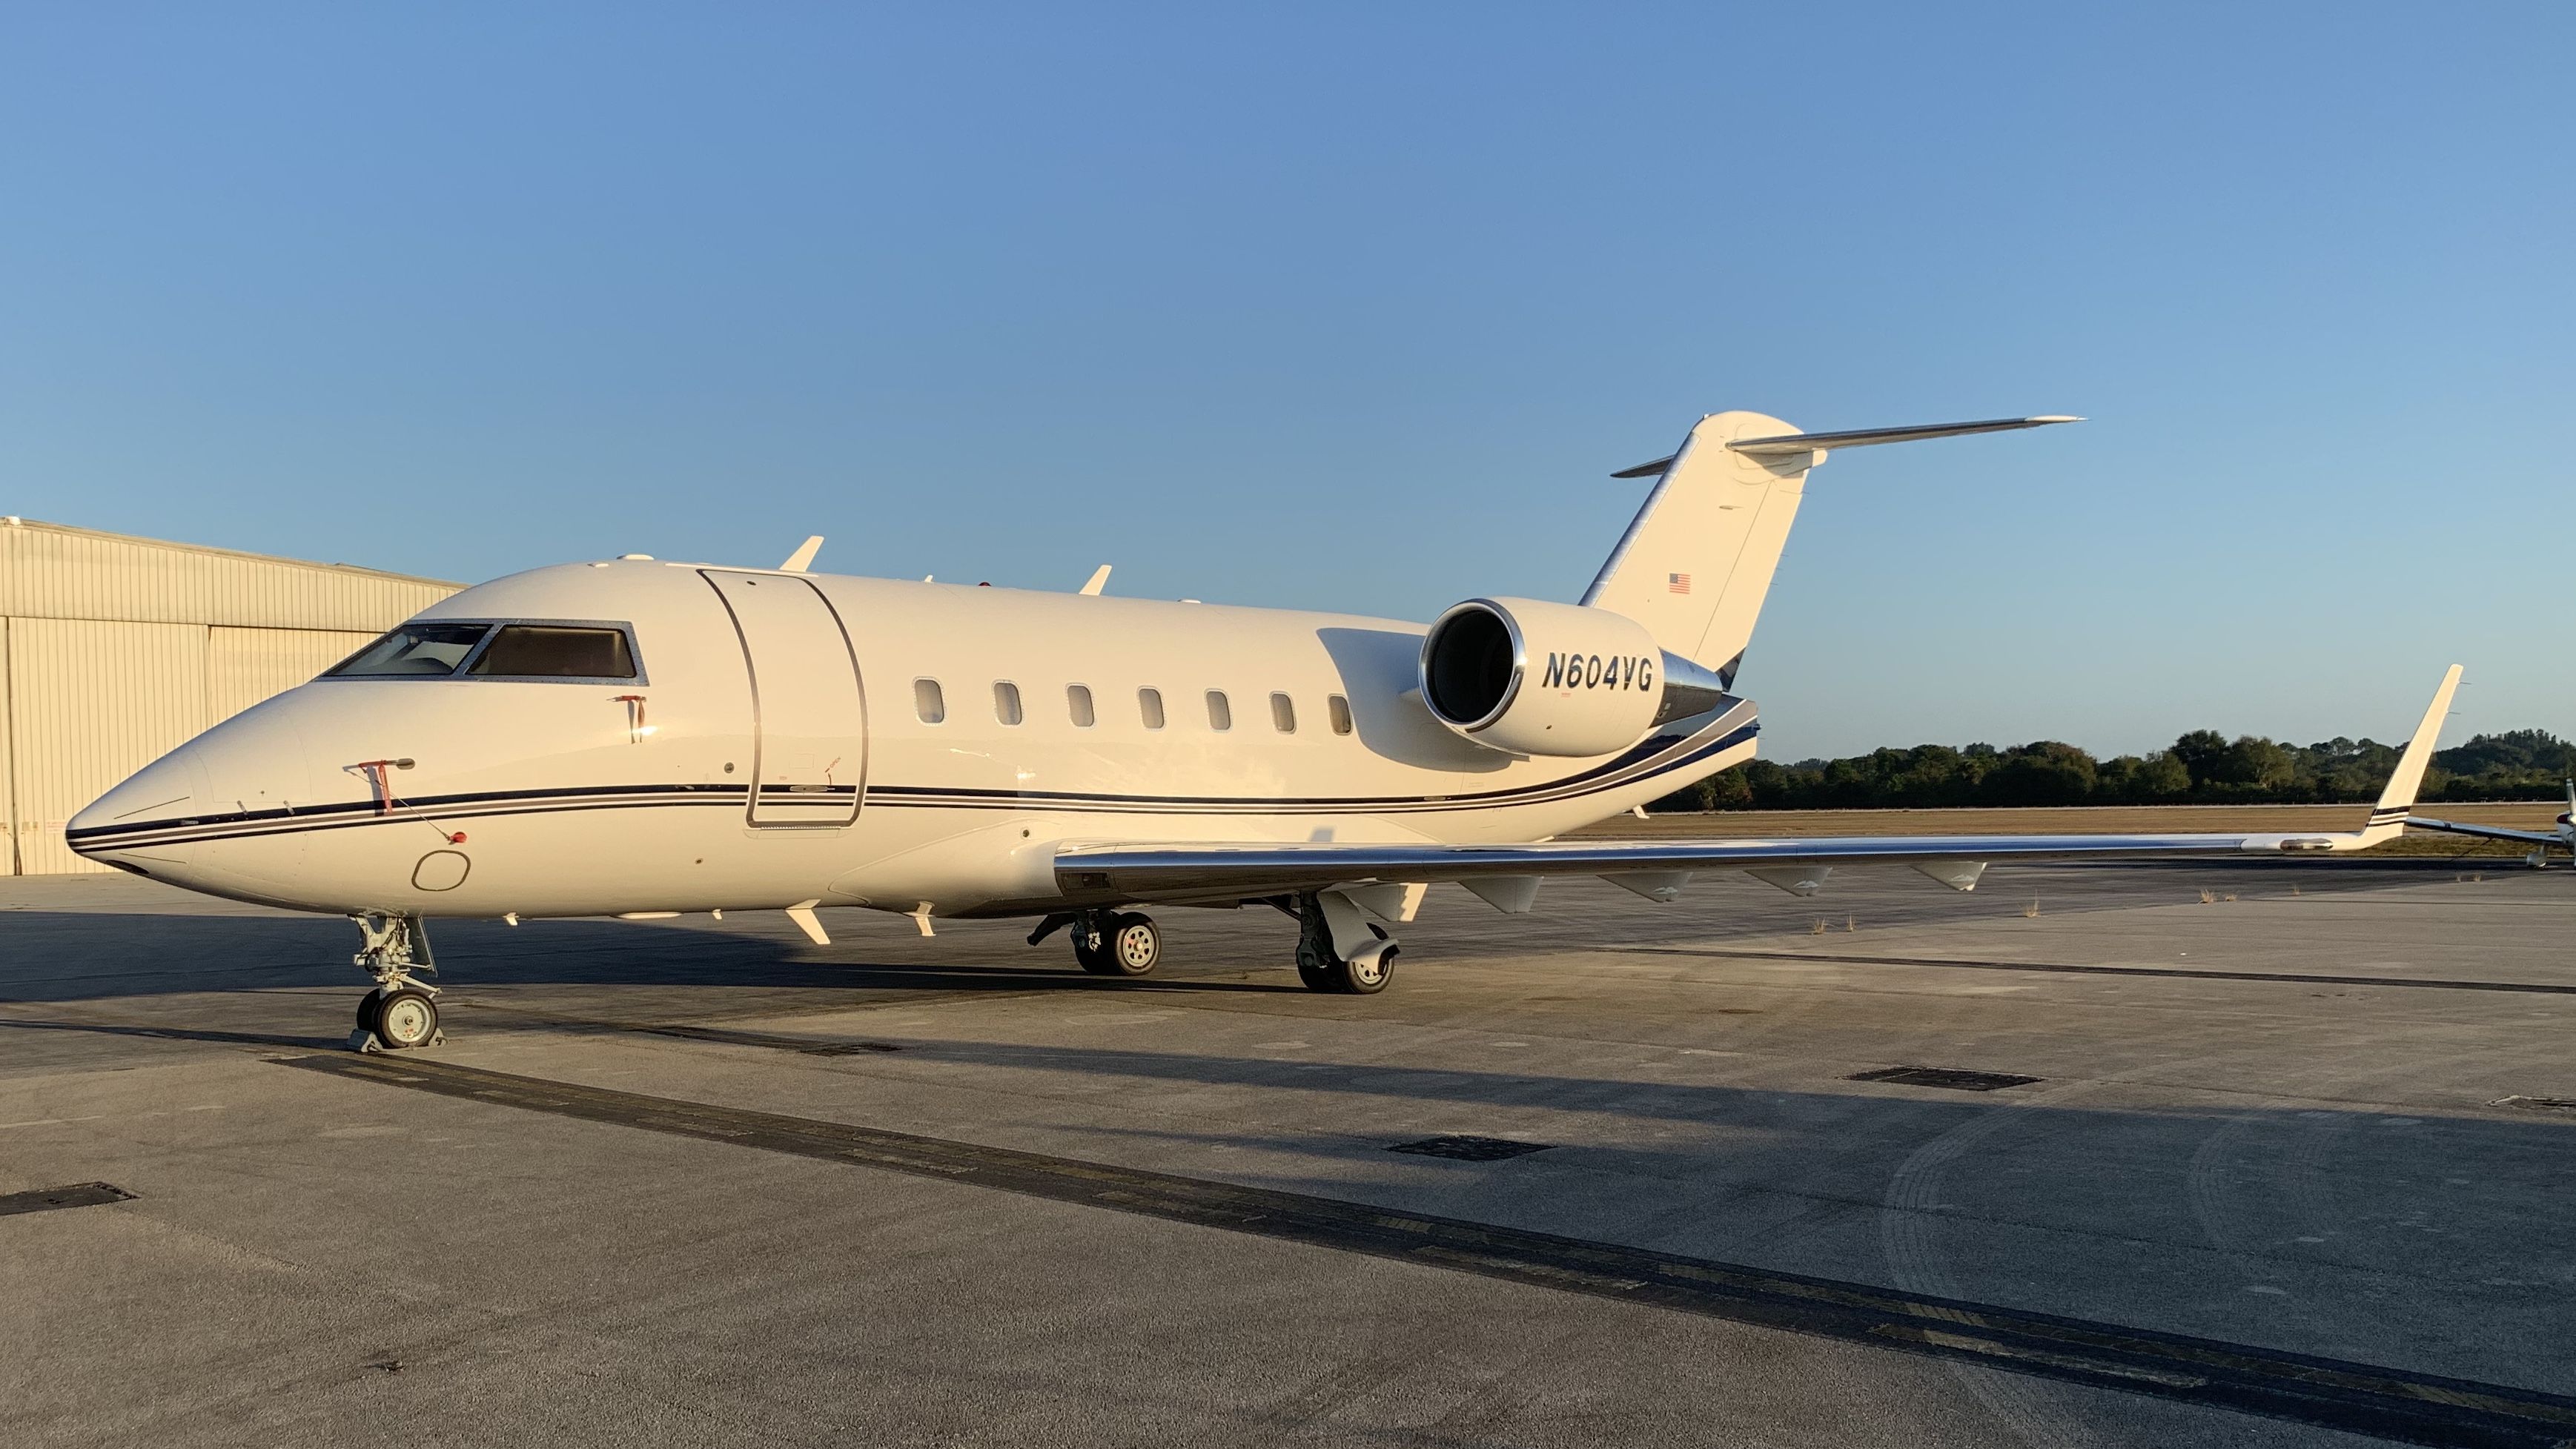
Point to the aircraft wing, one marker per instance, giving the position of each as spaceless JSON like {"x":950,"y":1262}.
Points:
{"x":1180,"y":871}
{"x":2489,"y":832}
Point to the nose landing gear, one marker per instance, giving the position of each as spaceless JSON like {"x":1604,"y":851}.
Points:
{"x":402,"y":1012}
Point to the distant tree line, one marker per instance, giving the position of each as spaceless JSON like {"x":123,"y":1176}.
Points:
{"x":2201,"y":767}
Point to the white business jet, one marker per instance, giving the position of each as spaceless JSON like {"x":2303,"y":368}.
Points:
{"x":2541,"y":841}
{"x":643,"y":738}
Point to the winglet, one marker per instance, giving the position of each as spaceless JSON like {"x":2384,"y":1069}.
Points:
{"x":798,"y":561}
{"x":2388,"y":817}
{"x":1099,"y":576}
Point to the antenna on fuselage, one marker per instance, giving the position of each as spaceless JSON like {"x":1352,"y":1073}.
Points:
{"x":803,"y":556}
{"x":1099,"y":576}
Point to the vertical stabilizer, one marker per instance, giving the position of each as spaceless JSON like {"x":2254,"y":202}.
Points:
{"x":1697,"y":561}
{"x":2397,"y":801}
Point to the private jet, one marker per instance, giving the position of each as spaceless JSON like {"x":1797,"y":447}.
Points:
{"x":644,"y":738}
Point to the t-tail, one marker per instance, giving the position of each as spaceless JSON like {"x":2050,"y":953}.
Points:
{"x":1695,"y":564}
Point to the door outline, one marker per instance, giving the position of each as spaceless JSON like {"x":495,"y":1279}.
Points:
{"x":759,"y":734}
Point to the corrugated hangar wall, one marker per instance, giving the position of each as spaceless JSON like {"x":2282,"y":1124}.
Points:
{"x":115,"y":650}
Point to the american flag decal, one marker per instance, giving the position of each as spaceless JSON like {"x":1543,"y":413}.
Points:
{"x":1678,"y":583}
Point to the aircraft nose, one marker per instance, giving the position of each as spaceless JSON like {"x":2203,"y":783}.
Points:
{"x":137,"y":818}
{"x":196,"y":817}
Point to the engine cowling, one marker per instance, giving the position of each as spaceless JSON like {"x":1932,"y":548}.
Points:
{"x":1533,"y":678}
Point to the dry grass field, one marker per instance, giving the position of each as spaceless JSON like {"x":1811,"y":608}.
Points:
{"x":2093,"y":820}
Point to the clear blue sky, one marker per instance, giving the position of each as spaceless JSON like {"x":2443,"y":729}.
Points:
{"x":1356,"y":308}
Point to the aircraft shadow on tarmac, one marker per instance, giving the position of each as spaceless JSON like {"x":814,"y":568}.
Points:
{"x":81,"y":956}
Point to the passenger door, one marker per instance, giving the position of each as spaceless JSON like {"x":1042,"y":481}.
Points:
{"x":809,"y":718}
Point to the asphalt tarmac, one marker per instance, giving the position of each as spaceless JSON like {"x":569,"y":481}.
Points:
{"x":2247,"y":1154}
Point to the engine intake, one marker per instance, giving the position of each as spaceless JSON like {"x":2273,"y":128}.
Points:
{"x":1534,"y":678}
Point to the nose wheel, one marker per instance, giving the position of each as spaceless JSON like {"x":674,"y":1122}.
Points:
{"x":401,"y":1014}
{"x":400,"y":1019}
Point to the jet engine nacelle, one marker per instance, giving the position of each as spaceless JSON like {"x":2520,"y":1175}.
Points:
{"x":1534,"y":678}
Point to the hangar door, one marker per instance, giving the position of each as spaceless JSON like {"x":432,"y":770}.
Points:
{"x":809,"y":721}
{"x":90,"y":702}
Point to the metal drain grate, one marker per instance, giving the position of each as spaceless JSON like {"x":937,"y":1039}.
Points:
{"x":1470,"y":1149}
{"x":1950,"y":1077}
{"x":2541,"y":1104}
{"x":79,"y":1194}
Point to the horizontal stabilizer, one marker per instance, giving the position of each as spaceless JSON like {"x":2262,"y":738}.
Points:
{"x":1787,"y":445}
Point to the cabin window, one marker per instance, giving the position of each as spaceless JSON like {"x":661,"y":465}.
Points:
{"x":1077,"y":703}
{"x":1149,"y":704}
{"x":1006,"y":702}
{"x":1340,"y":709}
{"x":927,"y":702}
{"x":549,"y":651}
{"x":1283,"y":714}
{"x":1220,"y":713}
{"x":413,"y":649}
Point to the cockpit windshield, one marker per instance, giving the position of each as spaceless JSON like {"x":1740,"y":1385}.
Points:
{"x":544,"y":651}
{"x":491,"y":649}
{"x":413,"y":649}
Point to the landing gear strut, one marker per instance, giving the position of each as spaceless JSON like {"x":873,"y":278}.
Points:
{"x":402,"y":1012}
{"x":1337,"y":950}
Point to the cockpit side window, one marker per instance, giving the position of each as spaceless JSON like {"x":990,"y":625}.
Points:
{"x":414,"y":650}
{"x":554,"y":651}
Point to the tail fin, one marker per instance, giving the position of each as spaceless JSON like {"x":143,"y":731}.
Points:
{"x":2388,"y":817}
{"x":1695,"y":564}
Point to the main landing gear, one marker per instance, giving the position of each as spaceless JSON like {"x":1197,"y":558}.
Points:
{"x":402,"y":1012}
{"x":1338,"y":950}
{"x":1109,"y":943}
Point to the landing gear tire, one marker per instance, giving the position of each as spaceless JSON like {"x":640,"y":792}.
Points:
{"x":1135,"y":945}
{"x":405,"y":1018}
{"x":368,"y":1006}
{"x":1364,"y":972}
{"x":1130,"y":945}
{"x":1367,"y":972}
{"x":1119,"y":946}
